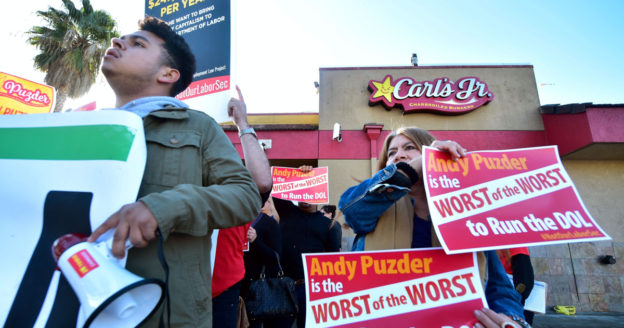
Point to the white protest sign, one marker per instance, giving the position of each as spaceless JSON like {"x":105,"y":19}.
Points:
{"x":60,"y":173}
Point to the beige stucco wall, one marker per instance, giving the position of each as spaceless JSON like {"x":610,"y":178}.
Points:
{"x":344,"y":99}
{"x":601,"y":187}
{"x":343,"y":174}
{"x":573,"y":271}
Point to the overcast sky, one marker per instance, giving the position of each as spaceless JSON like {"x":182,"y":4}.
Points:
{"x":575,"y":46}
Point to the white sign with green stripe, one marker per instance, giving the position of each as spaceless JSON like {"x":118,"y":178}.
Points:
{"x":59,"y":174}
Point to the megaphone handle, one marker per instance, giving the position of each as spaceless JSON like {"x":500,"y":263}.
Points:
{"x":109,"y":247}
{"x":128,"y":244}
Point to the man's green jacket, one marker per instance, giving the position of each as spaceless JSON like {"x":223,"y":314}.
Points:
{"x":194,"y":182}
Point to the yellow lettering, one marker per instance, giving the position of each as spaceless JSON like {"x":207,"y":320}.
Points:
{"x":403,"y":264}
{"x":416,"y":265}
{"x":367,"y":262}
{"x":327,"y":268}
{"x":428,"y":261}
{"x":463,"y":162}
{"x":523,"y":162}
{"x":431,"y":164}
{"x":392,"y":266}
{"x":477,"y":161}
{"x":315,"y":267}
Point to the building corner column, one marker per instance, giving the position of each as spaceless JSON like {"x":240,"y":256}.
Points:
{"x":373,"y":131}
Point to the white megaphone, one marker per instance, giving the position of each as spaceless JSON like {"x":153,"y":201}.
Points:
{"x":110,"y":296}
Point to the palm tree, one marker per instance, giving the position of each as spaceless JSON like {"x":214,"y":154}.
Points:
{"x":72,"y":44}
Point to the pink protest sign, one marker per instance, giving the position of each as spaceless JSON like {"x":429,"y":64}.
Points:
{"x":502,"y":199}
{"x":394,"y":288}
{"x":292,"y":184}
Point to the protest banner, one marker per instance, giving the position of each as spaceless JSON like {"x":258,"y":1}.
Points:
{"x":503,"y":199}
{"x":206,"y":27}
{"x":292,"y":184}
{"x":60,"y":174}
{"x":21,"y":96}
{"x":394,"y":288}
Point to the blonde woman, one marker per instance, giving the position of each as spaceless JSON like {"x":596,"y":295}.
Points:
{"x":390,"y":211}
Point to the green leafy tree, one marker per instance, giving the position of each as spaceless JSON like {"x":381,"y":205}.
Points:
{"x":72,"y":43}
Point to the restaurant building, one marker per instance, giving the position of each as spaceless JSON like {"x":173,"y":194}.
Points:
{"x":483,"y":108}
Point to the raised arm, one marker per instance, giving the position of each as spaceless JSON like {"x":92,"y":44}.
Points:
{"x":255,"y":159}
{"x":363,"y":204}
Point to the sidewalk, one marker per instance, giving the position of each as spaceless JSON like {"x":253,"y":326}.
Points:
{"x":583,"y":319}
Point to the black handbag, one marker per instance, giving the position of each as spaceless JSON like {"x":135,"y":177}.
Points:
{"x":270,"y":298}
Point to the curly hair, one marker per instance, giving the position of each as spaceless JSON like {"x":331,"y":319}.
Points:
{"x":177,"y":54}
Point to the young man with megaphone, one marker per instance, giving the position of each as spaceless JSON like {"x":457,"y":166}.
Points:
{"x":193,"y":182}
{"x":110,"y":296}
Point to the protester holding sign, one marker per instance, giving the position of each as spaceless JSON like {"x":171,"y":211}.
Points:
{"x":366,"y":206}
{"x":390,"y":210}
{"x":229,"y":264}
{"x":193,"y":182}
{"x":304,"y":230}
